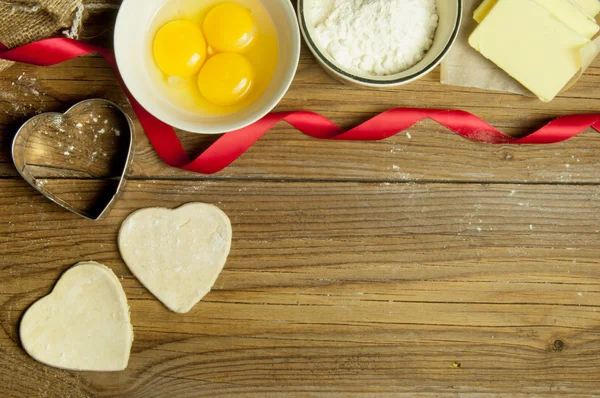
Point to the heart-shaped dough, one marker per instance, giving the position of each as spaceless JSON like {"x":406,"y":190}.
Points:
{"x":83,"y":324}
{"x":177,"y":254}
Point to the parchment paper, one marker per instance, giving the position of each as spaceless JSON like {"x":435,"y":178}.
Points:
{"x":463,"y":66}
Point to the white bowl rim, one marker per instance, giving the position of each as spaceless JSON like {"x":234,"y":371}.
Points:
{"x":194,"y":127}
{"x":372,"y":82}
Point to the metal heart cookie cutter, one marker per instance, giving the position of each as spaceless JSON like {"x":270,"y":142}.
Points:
{"x":74,"y":145}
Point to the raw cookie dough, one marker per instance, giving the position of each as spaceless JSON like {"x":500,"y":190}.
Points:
{"x":83,"y":324}
{"x":177,"y":254}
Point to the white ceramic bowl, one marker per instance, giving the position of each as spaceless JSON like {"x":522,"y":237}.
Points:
{"x":450,"y":17}
{"x":133,"y":49}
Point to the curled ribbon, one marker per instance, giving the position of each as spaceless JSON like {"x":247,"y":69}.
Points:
{"x":232,"y":145}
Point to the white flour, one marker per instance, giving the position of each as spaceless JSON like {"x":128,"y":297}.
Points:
{"x":375,"y":37}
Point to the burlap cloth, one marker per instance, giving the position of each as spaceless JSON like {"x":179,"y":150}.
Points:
{"x":24,"y":21}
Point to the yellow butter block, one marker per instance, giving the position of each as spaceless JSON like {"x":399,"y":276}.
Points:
{"x":531,"y":45}
{"x":483,"y":10}
{"x":590,"y":7}
{"x":572,"y":16}
{"x":566,"y":11}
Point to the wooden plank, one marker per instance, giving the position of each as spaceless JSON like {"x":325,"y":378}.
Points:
{"x":335,"y":289}
{"x":431,"y":154}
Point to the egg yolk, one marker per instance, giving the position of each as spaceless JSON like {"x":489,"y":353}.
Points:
{"x":179,"y":48}
{"x":229,"y":27}
{"x":225,"y":79}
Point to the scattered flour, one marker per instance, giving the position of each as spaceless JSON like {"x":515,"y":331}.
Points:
{"x":22,"y":87}
{"x":375,"y":37}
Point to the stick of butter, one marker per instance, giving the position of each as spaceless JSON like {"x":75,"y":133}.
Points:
{"x":567,"y":12}
{"x":572,"y":16}
{"x":532,"y":46}
{"x":483,"y":10}
{"x":590,"y":7}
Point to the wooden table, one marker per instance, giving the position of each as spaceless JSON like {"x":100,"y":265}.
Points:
{"x":423,"y":264}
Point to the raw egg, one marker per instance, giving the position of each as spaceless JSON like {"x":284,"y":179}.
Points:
{"x":229,"y":27}
{"x":226,"y":78}
{"x":179,"y":48}
{"x":212,"y":57}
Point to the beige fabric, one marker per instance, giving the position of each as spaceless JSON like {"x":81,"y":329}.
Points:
{"x":24,"y":21}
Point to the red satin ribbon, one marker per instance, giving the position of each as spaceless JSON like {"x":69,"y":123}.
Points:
{"x":232,"y":145}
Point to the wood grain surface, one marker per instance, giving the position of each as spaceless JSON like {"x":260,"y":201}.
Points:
{"x":423,"y":265}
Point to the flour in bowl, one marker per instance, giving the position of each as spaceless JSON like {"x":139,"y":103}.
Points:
{"x":374,"y":37}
